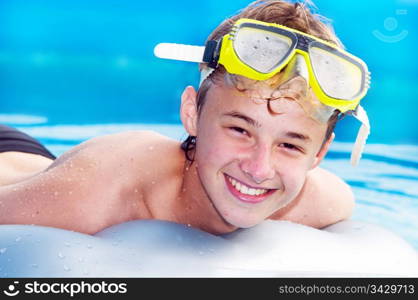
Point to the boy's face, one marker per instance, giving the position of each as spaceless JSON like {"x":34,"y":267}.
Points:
{"x":251,"y":162}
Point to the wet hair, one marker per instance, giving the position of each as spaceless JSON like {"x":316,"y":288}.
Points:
{"x":294,"y":15}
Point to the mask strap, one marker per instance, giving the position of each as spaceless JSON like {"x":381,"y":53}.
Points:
{"x":205,"y":73}
{"x":364,"y":131}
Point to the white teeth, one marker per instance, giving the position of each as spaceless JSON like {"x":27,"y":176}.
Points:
{"x":238,"y":186}
{"x":246,"y":190}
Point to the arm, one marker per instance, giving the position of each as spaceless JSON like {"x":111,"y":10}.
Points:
{"x":324,"y":200}
{"x":64,"y":195}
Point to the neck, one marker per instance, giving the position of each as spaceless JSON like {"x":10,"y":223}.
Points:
{"x":195,"y":207}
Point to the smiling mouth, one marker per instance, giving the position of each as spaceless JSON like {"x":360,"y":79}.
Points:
{"x":246,"y":193}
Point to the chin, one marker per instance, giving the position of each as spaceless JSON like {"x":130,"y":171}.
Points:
{"x":242,"y":222}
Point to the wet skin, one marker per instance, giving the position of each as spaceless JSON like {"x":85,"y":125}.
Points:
{"x":143,"y":175}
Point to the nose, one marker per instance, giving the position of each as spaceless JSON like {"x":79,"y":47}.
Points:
{"x":296,"y":67}
{"x":294,"y":82}
{"x":258,"y":164}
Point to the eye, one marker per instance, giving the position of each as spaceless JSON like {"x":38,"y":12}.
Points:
{"x":289,"y":146}
{"x":239,"y":130}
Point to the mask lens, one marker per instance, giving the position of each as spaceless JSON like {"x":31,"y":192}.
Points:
{"x":337,"y":75}
{"x":261,"y":50}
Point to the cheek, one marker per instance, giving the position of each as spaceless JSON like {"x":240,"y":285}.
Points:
{"x":292,"y":173}
{"x":212,"y":143}
{"x":212,"y":148}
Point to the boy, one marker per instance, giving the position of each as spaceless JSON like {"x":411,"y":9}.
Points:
{"x":258,"y":126}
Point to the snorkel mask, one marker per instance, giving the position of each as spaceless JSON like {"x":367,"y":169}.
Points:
{"x":256,"y":52}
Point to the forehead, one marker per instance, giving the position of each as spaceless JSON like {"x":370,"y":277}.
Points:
{"x":221,"y":99}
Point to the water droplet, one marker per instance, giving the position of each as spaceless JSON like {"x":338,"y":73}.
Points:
{"x":18,"y":239}
{"x":86,"y":272}
{"x":60,"y":255}
{"x":70,"y":192}
{"x":56,"y":193}
{"x":151,"y":148}
{"x":34,"y":265}
{"x":189,"y":225}
{"x":89,"y":246}
{"x":136,"y":190}
{"x":81,"y":259}
{"x":67,"y":268}
{"x":67,"y":244}
{"x":3,"y":250}
{"x":201,"y":252}
{"x":152,"y":182}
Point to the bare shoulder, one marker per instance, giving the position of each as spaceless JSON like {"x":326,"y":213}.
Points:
{"x":125,"y":141}
{"x":118,"y":147}
{"x":336,"y":196}
{"x":324,"y":200}
{"x":88,"y":188}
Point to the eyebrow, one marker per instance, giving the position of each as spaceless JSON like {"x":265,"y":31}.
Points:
{"x":235,"y":114}
{"x":299,"y":136}
{"x":254,"y":123}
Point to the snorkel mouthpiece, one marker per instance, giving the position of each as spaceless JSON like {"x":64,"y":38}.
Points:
{"x":179,"y":52}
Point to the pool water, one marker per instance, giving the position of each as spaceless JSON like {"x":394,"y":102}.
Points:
{"x":385,"y":183}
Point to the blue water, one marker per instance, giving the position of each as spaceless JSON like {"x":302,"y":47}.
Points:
{"x":73,"y":70}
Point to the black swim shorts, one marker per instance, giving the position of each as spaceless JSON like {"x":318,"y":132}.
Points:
{"x":12,"y":139}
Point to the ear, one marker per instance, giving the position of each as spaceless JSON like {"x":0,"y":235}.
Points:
{"x":188,"y":110}
{"x":323,"y":151}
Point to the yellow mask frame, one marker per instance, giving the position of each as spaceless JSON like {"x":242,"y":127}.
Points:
{"x":225,"y":53}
